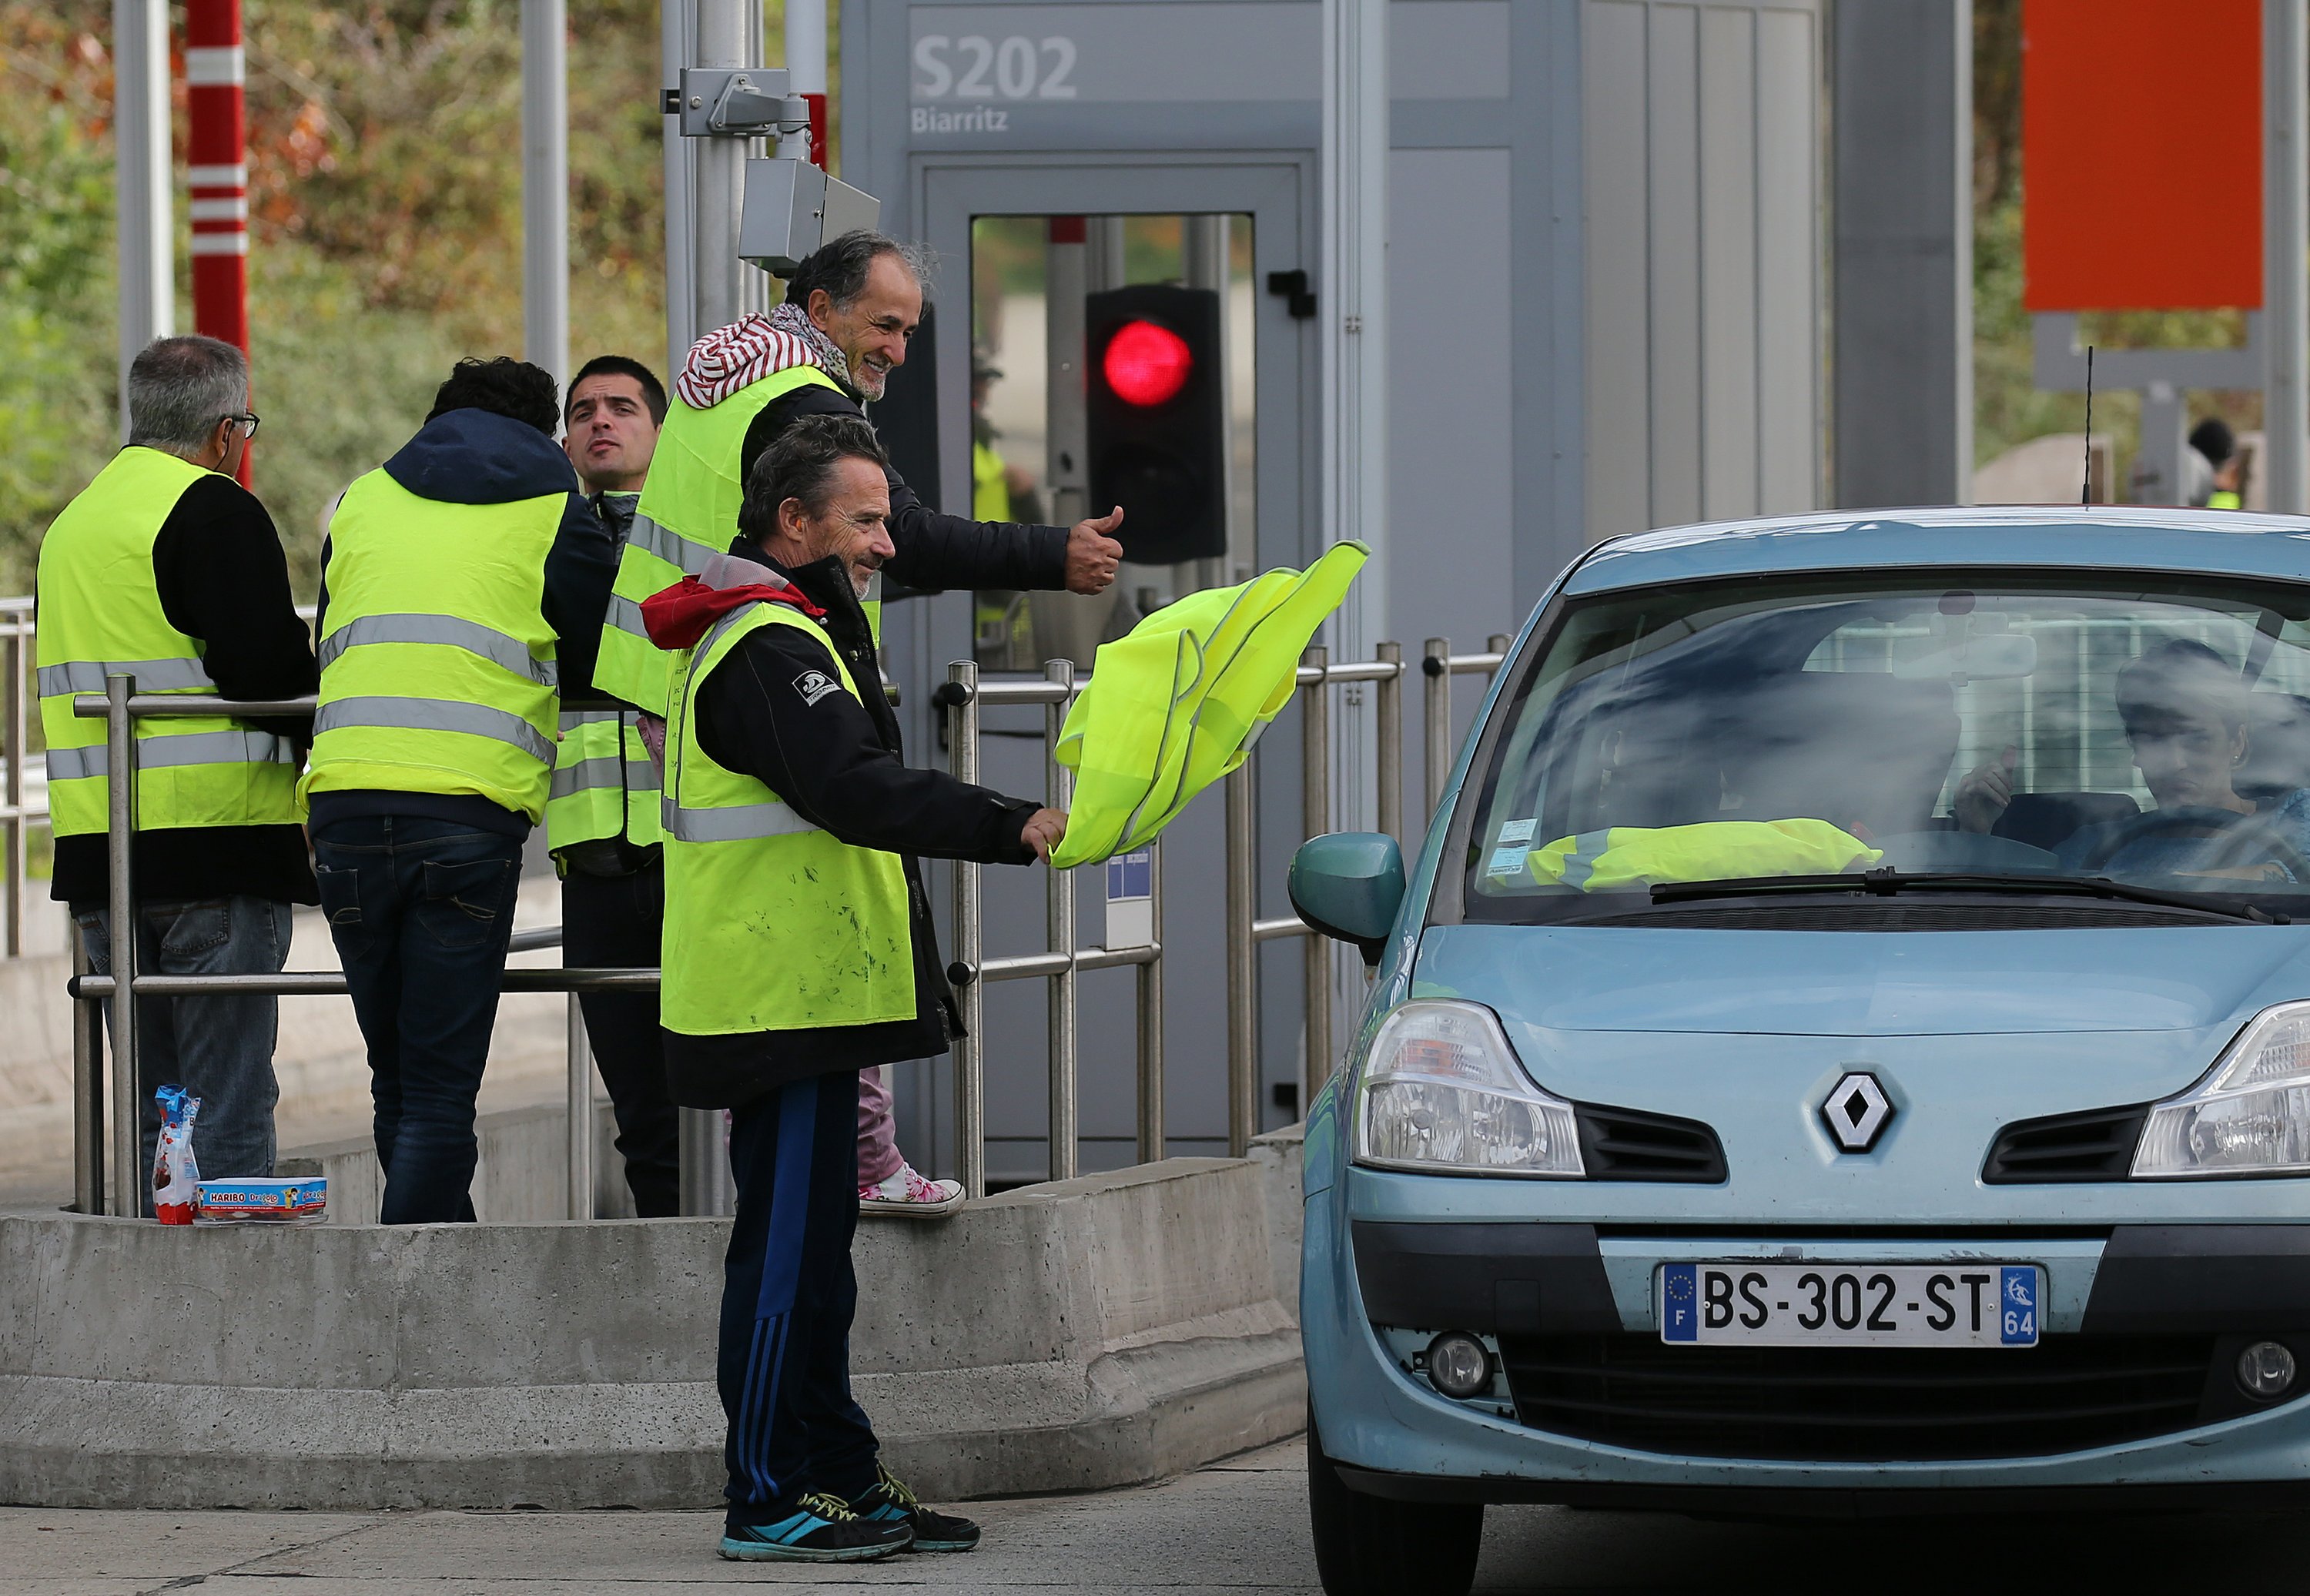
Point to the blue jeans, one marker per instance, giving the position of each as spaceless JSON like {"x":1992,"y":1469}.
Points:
{"x":219,"y":1048}
{"x":421,"y":911}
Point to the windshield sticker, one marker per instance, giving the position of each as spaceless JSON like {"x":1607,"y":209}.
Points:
{"x":1517,"y":830}
{"x":1508,"y":861}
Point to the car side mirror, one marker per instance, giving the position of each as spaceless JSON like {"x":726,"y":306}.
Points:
{"x":1349,"y":885}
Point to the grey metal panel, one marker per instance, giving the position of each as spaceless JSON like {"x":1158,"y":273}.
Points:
{"x":1447,"y":49}
{"x":1613,"y":163}
{"x":1788,"y":263}
{"x":1728,"y":262}
{"x":1672,"y":148}
{"x":1904,"y":210}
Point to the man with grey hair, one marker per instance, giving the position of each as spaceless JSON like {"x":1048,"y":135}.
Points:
{"x":166,"y":568}
{"x":828,"y":351}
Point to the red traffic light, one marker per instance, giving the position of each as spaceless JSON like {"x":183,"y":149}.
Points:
{"x":1146,"y":363}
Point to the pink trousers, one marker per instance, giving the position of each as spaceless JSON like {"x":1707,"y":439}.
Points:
{"x":878,"y":1144}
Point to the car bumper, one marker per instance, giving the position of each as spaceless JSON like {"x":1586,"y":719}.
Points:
{"x":1394,"y":1436}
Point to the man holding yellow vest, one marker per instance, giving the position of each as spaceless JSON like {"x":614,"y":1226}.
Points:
{"x":167,"y":569}
{"x":798,"y":952}
{"x":463,"y":585}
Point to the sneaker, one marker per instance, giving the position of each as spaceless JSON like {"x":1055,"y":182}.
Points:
{"x":825,"y":1531}
{"x":889,"y":1502}
{"x":909,"y":1196}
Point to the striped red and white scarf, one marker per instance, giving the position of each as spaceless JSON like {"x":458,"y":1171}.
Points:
{"x":752,"y":348}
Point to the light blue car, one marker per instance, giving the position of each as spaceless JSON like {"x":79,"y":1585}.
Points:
{"x":1844,"y":1046}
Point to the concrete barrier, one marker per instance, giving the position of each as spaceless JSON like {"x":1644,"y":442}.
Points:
{"x":1077,"y":1335}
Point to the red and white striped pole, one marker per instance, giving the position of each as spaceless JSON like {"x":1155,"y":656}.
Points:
{"x":218,"y":156}
{"x":806,"y":68}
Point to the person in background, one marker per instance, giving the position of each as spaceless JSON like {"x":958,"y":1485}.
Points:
{"x":167,"y":569}
{"x":462,"y":593}
{"x":799,"y":953}
{"x":999,"y":491}
{"x":600,"y":817}
{"x":2214,"y":440}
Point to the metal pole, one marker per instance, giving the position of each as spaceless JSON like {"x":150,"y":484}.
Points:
{"x":545,"y":185}
{"x":1436,"y":727}
{"x":1315,"y":820}
{"x":1059,"y":915}
{"x":140,"y":121}
{"x":1067,"y":279}
{"x":681,"y":191}
{"x":1497,"y":643}
{"x":1152,"y":1142}
{"x":216,"y":147}
{"x":88,"y":1095}
{"x":2286,"y":290}
{"x":1387,"y":717}
{"x":581,"y":1115}
{"x":12,"y":794}
{"x":970,"y":1051}
{"x":806,"y":68}
{"x":1242,"y":968}
{"x":720,"y":41}
{"x":128,"y":1172}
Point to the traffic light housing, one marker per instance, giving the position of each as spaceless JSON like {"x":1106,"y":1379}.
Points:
{"x":1156,"y":420}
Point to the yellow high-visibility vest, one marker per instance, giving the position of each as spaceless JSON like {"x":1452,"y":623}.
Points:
{"x":688,"y":514}
{"x":990,"y":489}
{"x":100,"y":615}
{"x":437,"y":667}
{"x":1622,"y":857}
{"x":1175,"y":705}
{"x":771,"y":923}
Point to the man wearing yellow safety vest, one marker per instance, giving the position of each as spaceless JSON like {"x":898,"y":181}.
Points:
{"x":462,"y":589}
{"x":167,"y":569}
{"x":831,"y":347}
{"x":799,"y":952}
{"x":601,"y":817}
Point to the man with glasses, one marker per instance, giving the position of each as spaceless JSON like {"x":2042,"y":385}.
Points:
{"x":166,"y":568}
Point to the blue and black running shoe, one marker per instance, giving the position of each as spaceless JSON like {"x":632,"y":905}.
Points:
{"x":889,"y":1501}
{"x":824,"y":1530}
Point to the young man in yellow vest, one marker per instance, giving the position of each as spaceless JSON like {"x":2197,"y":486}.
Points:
{"x":600,"y":817}
{"x":167,"y":569}
{"x":799,"y":952}
{"x":462,"y":590}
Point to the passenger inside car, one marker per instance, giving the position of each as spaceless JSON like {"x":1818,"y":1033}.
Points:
{"x":2186,"y":713}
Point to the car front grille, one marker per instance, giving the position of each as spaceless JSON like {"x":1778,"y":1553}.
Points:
{"x":1858,"y":1404}
{"x":2094,"y":1145}
{"x":1629,"y":1144}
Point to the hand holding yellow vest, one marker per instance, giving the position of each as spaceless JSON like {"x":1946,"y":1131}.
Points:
{"x":1176,"y":705}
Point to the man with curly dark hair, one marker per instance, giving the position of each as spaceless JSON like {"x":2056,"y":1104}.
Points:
{"x":462,"y":590}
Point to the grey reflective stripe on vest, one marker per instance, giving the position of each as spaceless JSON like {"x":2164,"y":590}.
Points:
{"x":742,"y":822}
{"x":627,"y":616}
{"x":684,"y":554}
{"x":608,"y":771}
{"x":1580,"y":863}
{"x":186,"y":748}
{"x":153,"y":675}
{"x":571,"y":719}
{"x":507,"y":653}
{"x":436,"y":715}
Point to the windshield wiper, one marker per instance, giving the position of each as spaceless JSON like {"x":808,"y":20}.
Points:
{"x":1885,"y":883}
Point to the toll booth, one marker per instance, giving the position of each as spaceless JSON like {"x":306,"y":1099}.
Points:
{"x":1604,"y":313}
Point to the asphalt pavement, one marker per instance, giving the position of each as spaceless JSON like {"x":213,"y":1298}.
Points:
{"x":1237,"y":1526}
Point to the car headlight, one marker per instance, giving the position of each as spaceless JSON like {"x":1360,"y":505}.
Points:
{"x":2250,"y":1115}
{"x":1441,"y":1090}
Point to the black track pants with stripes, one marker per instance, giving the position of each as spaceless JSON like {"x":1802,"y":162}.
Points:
{"x":787,"y":1297}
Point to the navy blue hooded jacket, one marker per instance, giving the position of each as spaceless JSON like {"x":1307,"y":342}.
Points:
{"x":478,"y":456}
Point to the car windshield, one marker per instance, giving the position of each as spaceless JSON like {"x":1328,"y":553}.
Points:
{"x":2144,"y":729}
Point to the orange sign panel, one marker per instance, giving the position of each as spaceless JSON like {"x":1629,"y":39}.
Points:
{"x":2141,"y":154}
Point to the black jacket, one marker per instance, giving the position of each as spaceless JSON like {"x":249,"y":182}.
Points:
{"x":477,"y":456}
{"x":935,"y":551}
{"x":222,"y":579}
{"x":837,"y":761}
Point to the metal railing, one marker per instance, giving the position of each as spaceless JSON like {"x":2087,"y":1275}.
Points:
{"x":16,"y":815}
{"x":109,"y":1100}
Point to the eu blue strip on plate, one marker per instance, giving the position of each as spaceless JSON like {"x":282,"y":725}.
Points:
{"x":1680,"y":1302}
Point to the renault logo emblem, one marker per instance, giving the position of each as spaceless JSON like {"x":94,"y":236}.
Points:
{"x":1857,"y":1110}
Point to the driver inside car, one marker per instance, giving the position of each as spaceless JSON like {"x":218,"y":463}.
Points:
{"x":2183,"y":708}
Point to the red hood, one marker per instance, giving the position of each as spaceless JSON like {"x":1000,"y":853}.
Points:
{"x":677,"y":617}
